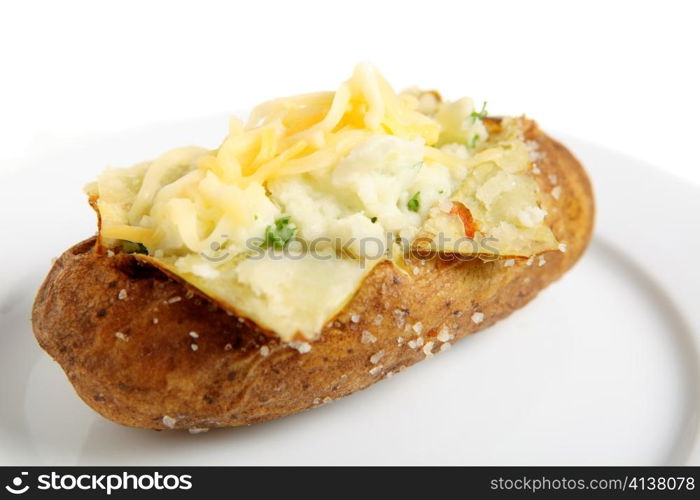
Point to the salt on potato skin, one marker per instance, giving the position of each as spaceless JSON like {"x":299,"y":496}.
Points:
{"x":227,"y":382}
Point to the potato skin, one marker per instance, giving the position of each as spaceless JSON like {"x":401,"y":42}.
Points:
{"x":154,"y":371}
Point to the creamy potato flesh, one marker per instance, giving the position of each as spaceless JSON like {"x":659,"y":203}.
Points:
{"x":282,"y":223}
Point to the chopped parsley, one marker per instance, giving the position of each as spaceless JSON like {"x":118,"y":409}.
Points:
{"x":134,"y":247}
{"x":278,"y":236}
{"x":475,"y":138}
{"x":373,"y":219}
{"x":442,"y":191}
{"x":414,"y":203}
{"x":480,"y":114}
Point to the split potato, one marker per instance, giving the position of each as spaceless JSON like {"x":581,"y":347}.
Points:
{"x":146,"y":350}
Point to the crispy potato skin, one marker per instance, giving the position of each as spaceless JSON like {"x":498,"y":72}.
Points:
{"x":154,"y":371}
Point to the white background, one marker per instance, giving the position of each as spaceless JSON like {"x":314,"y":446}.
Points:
{"x":620,"y":387}
{"x":620,"y":74}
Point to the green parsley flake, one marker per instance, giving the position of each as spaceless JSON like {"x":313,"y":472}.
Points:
{"x":473,"y":141}
{"x":134,"y":247}
{"x":481,"y":114}
{"x":278,"y":236}
{"x":414,"y":203}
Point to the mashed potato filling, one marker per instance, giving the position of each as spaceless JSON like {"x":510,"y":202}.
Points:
{"x":284,"y":220}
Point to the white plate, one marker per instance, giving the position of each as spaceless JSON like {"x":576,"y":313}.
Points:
{"x":602,"y":368}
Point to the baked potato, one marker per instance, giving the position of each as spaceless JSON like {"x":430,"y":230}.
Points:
{"x":147,"y":347}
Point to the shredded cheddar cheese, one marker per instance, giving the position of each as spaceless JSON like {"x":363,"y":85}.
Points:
{"x":283,"y":137}
{"x":349,"y":166}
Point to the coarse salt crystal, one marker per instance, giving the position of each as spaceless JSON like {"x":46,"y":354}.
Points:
{"x":198,"y":430}
{"x":172,"y":300}
{"x":376,"y":357}
{"x":553,"y":178}
{"x":110,"y":253}
{"x":169,"y":422}
{"x":378,"y":320}
{"x":534,"y":152}
{"x":155,"y":321}
{"x":355,"y":318}
{"x":509,"y":263}
{"x":415,"y":343}
{"x":477,"y":317}
{"x":445,"y":347}
{"x":302,"y":347}
{"x":122,"y":294}
{"x":418,"y":328}
{"x":444,"y":334}
{"x":121,"y":336}
{"x":428,"y":349}
{"x":542,"y":261}
{"x":399,"y":317}
{"x":367,"y":337}
{"x":264,"y":351}
{"x":194,"y":347}
{"x":194,"y":335}
{"x":400,"y":340}
{"x":376,"y":370}
{"x":562,"y":247}
{"x":228,"y":347}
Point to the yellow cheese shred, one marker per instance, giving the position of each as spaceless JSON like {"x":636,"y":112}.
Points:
{"x":285,"y":136}
{"x":191,"y":205}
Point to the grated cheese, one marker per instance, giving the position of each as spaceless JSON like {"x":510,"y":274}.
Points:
{"x":342,"y":165}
